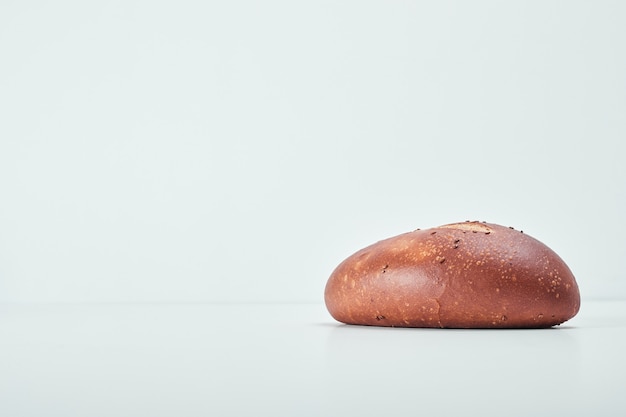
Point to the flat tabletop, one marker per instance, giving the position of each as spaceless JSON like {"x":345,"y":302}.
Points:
{"x":295,"y":360}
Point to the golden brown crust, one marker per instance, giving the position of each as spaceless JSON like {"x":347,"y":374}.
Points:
{"x":461,"y":275}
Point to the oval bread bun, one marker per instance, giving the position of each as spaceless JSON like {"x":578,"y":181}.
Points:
{"x":461,"y":275}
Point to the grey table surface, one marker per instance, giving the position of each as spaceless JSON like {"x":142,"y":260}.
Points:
{"x":295,"y":360}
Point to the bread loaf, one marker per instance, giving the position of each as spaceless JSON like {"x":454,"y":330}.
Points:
{"x":461,"y":275}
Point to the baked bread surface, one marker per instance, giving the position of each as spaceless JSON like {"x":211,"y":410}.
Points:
{"x":460,"y":275}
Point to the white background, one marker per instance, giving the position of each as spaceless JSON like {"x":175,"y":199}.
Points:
{"x":286,"y":360}
{"x":185,"y":151}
